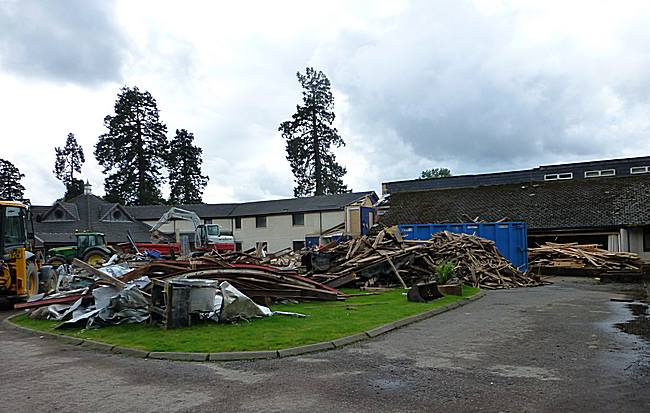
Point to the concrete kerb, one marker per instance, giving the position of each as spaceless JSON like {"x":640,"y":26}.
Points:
{"x":131,"y":352}
{"x":310,"y":348}
{"x":96,"y":345}
{"x":42,"y":334}
{"x":251,"y":355}
{"x":178,"y":356}
{"x":344,"y":341}
{"x":243,"y":355}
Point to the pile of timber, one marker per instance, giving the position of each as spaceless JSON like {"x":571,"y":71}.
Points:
{"x":576,"y":256}
{"x":262,"y":283}
{"x":388,"y":260}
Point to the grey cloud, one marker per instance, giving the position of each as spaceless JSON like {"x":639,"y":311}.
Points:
{"x":73,"y":41}
{"x":449,"y":83}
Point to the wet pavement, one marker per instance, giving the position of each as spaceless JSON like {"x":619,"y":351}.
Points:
{"x":571,"y":346}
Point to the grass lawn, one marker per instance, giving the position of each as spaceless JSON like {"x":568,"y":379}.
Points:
{"x":325,"y":321}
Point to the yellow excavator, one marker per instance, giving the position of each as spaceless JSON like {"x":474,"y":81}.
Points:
{"x":21,"y":272}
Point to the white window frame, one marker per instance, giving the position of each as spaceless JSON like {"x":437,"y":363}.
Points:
{"x":559,"y":176}
{"x":599,"y":173}
{"x":639,"y":170}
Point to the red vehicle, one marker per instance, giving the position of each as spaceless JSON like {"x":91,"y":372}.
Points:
{"x":207,"y":237}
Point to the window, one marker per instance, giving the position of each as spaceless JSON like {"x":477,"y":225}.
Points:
{"x":298,"y":245}
{"x":237,"y":222}
{"x":298,"y":219}
{"x":556,"y":177}
{"x":58,"y":214}
{"x":260,"y":222}
{"x":640,"y":170}
{"x":14,"y":226}
{"x":238,"y":246}
{"x":207,"y":221}
{"x":82,"y":242}
{"x":603,"y":172}
{"x":117,"y":214}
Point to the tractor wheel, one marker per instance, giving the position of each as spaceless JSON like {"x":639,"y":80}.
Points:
{"x":96,"y":257}
{"x":56,"y":261}
{"x":31,"y":278}
{"x":48,"y":278}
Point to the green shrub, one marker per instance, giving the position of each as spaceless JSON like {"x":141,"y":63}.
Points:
{"x":445,"y":272}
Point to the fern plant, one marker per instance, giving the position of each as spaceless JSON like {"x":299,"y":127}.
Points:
{"x":445,"y":272}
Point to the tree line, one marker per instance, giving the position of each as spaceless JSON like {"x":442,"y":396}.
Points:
{"x":137,"y":157}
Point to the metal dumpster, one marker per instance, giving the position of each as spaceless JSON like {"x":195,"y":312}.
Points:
{"x":511,"y":238}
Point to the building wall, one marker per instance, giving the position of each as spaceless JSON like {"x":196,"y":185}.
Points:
{"x":280,"y":232}
{"x":635,"y":239}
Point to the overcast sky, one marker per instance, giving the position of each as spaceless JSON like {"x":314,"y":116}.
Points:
{"x":475,"y":86}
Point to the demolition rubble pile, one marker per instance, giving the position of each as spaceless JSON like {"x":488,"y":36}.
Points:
{"x":245,"y":272}
{"x":582,"y":257}
{"x":241,"y":285}
{"x":172,"y":293}
{"x":389,"y":260}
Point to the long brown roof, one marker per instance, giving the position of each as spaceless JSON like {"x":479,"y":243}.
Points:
{"x":586,"y":203}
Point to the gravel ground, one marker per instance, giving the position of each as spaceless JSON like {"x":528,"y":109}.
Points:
{"x":549,"y":349}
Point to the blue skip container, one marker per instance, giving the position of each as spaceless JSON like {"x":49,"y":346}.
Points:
{"x":511,"y":238}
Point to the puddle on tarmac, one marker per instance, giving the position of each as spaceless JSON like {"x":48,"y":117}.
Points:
{"x":640,"y":324}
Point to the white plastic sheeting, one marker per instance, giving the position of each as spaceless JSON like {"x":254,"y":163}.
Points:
{"x":237,"y":306}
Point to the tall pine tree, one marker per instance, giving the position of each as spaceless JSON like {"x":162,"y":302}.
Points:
{"x":134,"y":150}
{"x":10,"y":187}
{"x":68,"y":161}
{"x":184,"y":165}
{"x":310,"y":135}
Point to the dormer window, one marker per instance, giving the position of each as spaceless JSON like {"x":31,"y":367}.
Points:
{"x":61,"y":213}
{"x":602,"y":172}
{"x":116,"y":214}
{"x":639,"y":170}
{"x":558,"y":177}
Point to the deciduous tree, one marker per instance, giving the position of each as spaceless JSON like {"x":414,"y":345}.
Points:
{"x":310,"y":135}
{"x":134,"y":150}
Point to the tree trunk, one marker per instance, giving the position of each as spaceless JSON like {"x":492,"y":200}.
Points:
{"x":141,"y":161}
{"x":318,"y":169}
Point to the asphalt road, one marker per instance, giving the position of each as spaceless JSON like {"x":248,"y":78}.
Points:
{"x":546,"y":349}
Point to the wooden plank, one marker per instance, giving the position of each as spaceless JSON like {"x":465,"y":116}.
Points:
{"x":342,"y":280}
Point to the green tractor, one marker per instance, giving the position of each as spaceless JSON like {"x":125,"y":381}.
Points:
{"x":90,"y":248}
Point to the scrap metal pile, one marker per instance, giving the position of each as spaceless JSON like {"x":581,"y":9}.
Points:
{"x":589,"y":257}
{"x":389,"y":260}
{"x":172,"y":293}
